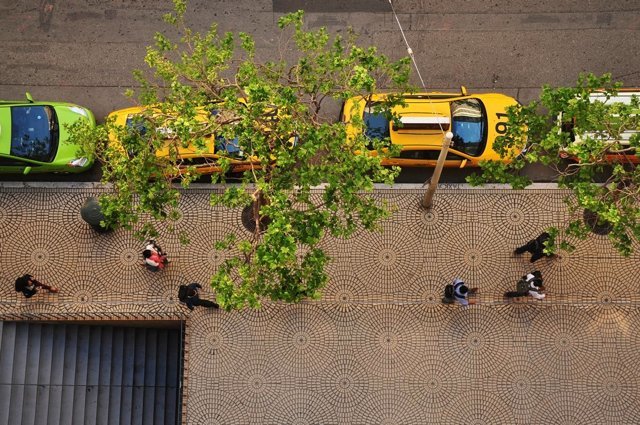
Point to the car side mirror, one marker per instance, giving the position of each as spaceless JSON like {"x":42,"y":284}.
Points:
{"x":27,"y":170}
{"x":29,"y":97}
{"x":463,"y":90}
{"x":463,"y":163}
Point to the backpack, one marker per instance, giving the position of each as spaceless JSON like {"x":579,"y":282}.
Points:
{"x":22,"y":283}
{"x":448,"y":291}
{"x":523,"y":285}
{"x":183,"y":290}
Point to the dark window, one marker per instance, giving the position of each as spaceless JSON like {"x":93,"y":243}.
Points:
{"x":198,"y":160}
{"x":136,"y":123}
{"x":376,"y":123}
{"x":230,"y":147}
{"x":469,"y":126}
{"x":428,"y":155}
{"x":34,"y":132}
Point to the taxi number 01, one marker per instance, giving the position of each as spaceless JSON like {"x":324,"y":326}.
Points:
{"x":501,"y":126}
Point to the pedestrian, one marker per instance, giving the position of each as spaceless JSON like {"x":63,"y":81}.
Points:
{"x":458,"y":292}
{"x":154,"y":258}
{"x":530,"y":284}
{"x":535,"y":247}
{"x":29,"y":286}
{"x":189,"y":295}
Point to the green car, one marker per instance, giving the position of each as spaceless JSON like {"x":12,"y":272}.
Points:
{"x":34,"y":137}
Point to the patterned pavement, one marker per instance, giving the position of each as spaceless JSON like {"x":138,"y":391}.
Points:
{"x":379,"y":347}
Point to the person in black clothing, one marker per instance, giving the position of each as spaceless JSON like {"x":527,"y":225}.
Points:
{"x":535,"y":247}
{"x":29,"y":286}
{"x":189,"y":295}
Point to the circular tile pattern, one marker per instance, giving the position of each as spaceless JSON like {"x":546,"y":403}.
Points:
{"x":428,"y":291}
{"x":565,"y":274}
{"x":214,"y":407}
{"x":567,"y":408}
{"x":471,"y":252}
{"x":470,"y":200}
{"x":300,"y":407}
{"x":608,"y":293}
{"x":11,"y":214}
{"x":341,"y":248}
{"x":520,"y":383}
{"x":84,"y":293}
{"x":42,"y":201}
{"x":387,"y":260}
{"x":257,"y":383}
{"x":164,"y":290}
{"x":516,"y":218}
{"x":200,"y":254}
{"x":399,"y":198}
{"x":260,"y":318}
{"x":390,"y":407}
{"x":194,"y":210}
{"x":343,"y":297}
{"x":564,"y":340}
{"x":388,"y":340}
{"x":71,"y":215}
{"x":478,"y":338}
{"x":523,"y":313}
{"x":117,"y":263}
{"x":219,"y":342}
{"x":49,"y":254}
{"x":345,"y":383}
{"x":433,"y":384}
{"x":430,"y":224}
{"x":629,"y":340}
{"x":304,"y":340}
{"x":611,"y":387}
{"x":479,"y":408}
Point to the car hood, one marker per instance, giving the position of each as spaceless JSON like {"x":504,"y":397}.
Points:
{"x":67,"y":115}
{"x":496,"y":105}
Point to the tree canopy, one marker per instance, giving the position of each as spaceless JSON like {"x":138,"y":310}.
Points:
{"x":591,"y":140}
{"x":212,"y":88}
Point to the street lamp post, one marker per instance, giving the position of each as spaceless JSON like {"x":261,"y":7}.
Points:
{"x":427,"y":201}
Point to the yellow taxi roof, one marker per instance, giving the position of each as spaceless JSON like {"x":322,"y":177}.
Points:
{"x":121,"y":116}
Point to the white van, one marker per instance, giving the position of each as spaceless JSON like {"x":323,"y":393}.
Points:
{"x":620,"y":150}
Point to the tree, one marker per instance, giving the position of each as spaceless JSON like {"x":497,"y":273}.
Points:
{"x":212,"y":86}
{"x":568,"y":130}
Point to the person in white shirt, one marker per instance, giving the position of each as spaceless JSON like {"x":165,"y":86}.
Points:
{"x":461,"y":292}
{"x":530,"y":284}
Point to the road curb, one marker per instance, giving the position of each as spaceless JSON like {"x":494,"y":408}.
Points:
{"x":204,"y":186}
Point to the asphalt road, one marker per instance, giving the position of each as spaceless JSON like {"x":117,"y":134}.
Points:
{"x":83,"y":51}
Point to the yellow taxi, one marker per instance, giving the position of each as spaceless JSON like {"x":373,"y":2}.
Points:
{"x":204,"y":159}
{"x":475,"y":121}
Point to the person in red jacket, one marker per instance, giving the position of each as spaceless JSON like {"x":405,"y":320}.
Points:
{"x":154,"y":258}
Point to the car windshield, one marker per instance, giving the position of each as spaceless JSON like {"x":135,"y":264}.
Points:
{"x":469,"y":126}
{"x":136,"y":123}
{"x":34,"y":132}
{"x":376,"y":123}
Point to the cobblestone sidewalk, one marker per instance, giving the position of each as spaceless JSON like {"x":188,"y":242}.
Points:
{"x":379,"y":347}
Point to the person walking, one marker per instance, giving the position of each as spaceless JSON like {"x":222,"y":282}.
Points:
{"x":154,"y":258}
{"x":190,"y":295}
{"x":530,"y":284}
{"x":458,"y":292}
{"x":30,"y":286}
{"x":535,"y":247}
